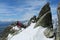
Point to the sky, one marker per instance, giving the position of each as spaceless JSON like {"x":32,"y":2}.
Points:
{"x":13,"y":10}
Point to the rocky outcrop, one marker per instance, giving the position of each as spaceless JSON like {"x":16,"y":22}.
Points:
{"x":10,"y":30}
{"x":45,"y":18}
{"x":49,"y":33}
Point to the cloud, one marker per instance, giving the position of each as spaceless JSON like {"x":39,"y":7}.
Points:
{"x":21,"y":12}
{"x":54,"y":12}
{"x":27,"y":16}
{"x":32,"y":8}
{"x":5,"y":9}
{"x":10,"y":19}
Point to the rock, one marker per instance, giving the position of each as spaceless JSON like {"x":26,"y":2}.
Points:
{"x":49,"y":33}
{"x":44,"y":18}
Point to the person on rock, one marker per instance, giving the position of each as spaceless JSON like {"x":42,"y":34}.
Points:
{"x":33,"y":19}
{"x":20,"y":25}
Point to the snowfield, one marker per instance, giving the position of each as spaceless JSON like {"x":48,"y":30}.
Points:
{"x":31,"y":34}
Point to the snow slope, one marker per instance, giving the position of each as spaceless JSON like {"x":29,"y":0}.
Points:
{"x":40,"y":35}
{"x":31,"y":34}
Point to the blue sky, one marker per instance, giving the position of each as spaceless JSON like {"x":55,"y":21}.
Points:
{"x":13,"y":10}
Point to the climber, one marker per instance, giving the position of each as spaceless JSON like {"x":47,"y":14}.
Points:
{"x":20,"y":25}
{"x":33,"y":19}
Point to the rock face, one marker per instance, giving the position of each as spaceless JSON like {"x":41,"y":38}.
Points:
{"x":49,"y":33}
{"x":45,"y":18}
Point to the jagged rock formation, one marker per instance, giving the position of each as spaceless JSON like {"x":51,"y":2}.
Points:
{"x":45,"y":18}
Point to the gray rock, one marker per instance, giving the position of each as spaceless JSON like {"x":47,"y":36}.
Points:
{"x":45,"y":18}
{"x":49,"y":33}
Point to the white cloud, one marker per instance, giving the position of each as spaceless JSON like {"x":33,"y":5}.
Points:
{"x":10,"y":19}
{"x":54,"y":12}
{"x":36,"y":3}
{"x":27,"y":12}
{"x":5,"y":10}
{"x":27,"y":16}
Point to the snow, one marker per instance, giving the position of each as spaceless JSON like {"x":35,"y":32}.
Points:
{"x":31,"y":34}
{"x":40,"y":35}
{"x":9,"y":36}
{"x":15,"y":28}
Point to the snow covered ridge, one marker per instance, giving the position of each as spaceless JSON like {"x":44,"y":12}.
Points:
{"x":12,"y":30}
{"x":30,"y":34}
{"x":16,"y":29}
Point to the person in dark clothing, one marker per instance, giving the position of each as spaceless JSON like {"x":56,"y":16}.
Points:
{"x":20,"y":25}
{"x":33,"y":19}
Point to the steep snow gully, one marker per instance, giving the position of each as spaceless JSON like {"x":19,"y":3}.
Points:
{"x":31,"y":34}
